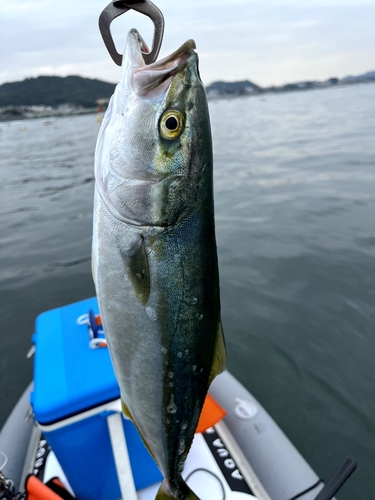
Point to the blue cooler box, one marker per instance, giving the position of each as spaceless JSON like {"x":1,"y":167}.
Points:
{"x":75,"y":391}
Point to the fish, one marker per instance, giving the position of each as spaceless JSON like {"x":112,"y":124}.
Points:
{"x":155,"y":263}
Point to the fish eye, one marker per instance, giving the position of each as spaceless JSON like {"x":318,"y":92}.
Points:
{"x":171,"y":124}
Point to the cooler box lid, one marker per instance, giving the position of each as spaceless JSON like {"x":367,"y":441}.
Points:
{"x":69,"y":376}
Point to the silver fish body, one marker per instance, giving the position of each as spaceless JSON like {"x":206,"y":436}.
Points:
{"x":154,"y":252}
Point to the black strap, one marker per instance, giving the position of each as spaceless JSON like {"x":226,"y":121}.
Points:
{"x":299,"y":495}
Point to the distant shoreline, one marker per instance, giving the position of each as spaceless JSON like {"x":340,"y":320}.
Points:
{"x":29,"y":114}
{"x":85,"y":96}
{"x":232,"y":89}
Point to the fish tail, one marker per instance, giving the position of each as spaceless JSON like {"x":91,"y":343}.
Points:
{"x":183,"y":493}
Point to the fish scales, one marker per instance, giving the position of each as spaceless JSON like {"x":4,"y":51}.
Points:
{"x":154,"y":252}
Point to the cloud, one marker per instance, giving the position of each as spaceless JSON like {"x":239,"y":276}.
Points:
{"x":269,"y":41}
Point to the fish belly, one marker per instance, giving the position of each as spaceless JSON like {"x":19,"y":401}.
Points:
{"x":159,"y":300}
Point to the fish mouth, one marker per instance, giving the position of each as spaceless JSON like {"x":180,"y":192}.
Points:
{"x":154,"y":79}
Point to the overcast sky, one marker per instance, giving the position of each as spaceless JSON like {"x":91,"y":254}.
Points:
{"x":265,"y":41}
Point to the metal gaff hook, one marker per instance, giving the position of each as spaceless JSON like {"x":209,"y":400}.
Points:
{"x":118,"y":7}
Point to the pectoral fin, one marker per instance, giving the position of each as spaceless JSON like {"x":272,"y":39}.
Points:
{"x":219,"y":354}
{"x":138,"y":270}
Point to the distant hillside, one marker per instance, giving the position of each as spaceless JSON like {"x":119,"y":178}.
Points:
{"x":367,"y":77}
{"x":18,"y":98}
{"x":54,"y":91}
{"x":234,"y":88}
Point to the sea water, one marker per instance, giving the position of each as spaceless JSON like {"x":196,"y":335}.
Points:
{"x":295,"y":219}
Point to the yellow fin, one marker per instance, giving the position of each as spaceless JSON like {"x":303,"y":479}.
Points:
{"x":165,"y":493}
{"x":219,"y":357}
{"x":128,"y":415}
{"x":126,"y":411}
